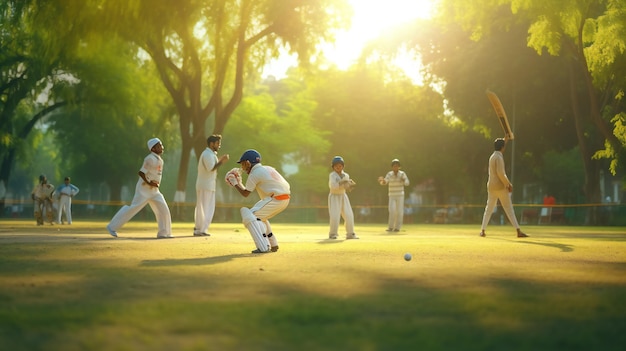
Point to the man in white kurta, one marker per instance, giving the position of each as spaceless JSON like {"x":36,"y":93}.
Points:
{"x":206,"y":185}
{"x":499,"y":188}
{"x":66,"y":192}
{"x":147,"y":193}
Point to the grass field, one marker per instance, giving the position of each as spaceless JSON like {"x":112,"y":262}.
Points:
{"x":76,"y":288}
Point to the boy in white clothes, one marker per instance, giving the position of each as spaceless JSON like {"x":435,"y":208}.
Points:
{"x":147,"y":193}
{"x":274,"y":193}
{"x":338,"y":201}
{"x":66,"y":192}
{"x":397,"y":180}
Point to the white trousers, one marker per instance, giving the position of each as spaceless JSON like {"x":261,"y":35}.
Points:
{"x":396,"y":211}
{"x":145,"y":195}
{"x":505,"y":200}
{"x":205,"y":210}
{"x":339,"y":207}
{"x":65,"y":205}
{"x":266,"y":209}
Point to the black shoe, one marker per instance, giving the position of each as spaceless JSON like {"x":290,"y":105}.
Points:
{"x":274,"y":248}
{"x":396,"y":230}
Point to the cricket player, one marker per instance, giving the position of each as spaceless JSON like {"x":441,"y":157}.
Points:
{"x":338,"y":202}
{"x":66,"y":192}
{"x":274,"y":193}
{"x":147,"y":193}
{"x":43,"y":195}
{"x":397,"y":180}
{"x":499,"y":188}
{"x":205,"y":185}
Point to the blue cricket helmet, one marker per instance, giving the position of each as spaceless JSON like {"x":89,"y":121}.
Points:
{"x":250,"y":155}
{"x":337,"y":159}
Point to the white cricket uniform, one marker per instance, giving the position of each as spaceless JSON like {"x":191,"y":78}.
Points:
{"x":147,"y":195}
{"x":497,"y":190}
{"x":396,"y":183}
{"x":205,"y":191}
{"x":66,"y":192}
{"x":339,"y":204}
{"x":274,"y":193}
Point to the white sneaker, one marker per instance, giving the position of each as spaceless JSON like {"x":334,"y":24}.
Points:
{"x":351,"y":236}
{"x":112,"y":232}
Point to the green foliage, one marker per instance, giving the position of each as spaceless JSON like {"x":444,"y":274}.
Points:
{"x":286,"y":137}
{"x":563,"y":176}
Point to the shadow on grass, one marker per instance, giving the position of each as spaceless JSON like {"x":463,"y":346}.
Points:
{"x":562,"y":247}
{"x":194,"y":261}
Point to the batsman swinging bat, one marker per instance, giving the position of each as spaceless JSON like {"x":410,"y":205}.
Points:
{"x":504,"y":121}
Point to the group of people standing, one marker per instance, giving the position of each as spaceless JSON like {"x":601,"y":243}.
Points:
{"x":499,"y":189}
{"x":272,"y":188}
{"x":49,"y":200}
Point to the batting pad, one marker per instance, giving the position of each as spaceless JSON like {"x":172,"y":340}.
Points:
{"x":256,"y":229}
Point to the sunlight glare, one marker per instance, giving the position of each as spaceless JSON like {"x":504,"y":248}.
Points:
{"x":371,"y":18}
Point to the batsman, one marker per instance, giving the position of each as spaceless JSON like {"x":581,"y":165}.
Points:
{"x":274,"y":193}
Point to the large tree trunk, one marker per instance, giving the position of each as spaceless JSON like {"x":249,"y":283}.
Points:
{"x":592,"y":180}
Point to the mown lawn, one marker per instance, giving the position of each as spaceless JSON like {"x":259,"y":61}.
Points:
{"x":76,"y":288}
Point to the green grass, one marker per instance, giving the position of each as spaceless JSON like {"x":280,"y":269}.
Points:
{"x":76,"y":288}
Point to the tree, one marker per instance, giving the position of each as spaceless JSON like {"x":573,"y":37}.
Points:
{"x":32,"y":82}
{"x":122,"y":105}
{"x":372,"y":120}
{"x":204,"y":51}
{"x":578,"y":33}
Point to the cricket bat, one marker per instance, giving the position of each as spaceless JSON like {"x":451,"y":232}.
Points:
{"x":504,"y":121}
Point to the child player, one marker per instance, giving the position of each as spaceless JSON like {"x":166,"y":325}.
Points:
{"x":338,"y":202}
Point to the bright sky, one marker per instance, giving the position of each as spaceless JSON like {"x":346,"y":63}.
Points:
{"x":371,"y":18}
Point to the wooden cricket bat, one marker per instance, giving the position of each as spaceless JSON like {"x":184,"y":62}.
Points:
{"x":504,"y":121}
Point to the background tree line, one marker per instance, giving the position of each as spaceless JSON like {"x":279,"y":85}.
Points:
{"x":85,"y":83}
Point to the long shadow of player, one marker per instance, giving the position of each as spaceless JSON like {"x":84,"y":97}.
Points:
{"x":193,"y":261}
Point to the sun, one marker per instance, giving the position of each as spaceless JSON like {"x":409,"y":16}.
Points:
{"x":371,"y":18}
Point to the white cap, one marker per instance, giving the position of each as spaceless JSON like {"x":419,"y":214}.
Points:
{"x":153,"y":142}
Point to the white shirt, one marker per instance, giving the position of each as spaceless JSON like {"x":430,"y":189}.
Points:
{"x":153,"y":167}
{"x":333,"y":182}
{"x":267,"y":181}
{"x":207,"y":176}
{"x":497,"y":175}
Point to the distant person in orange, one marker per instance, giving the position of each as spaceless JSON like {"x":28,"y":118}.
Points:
{"x":548,"y":202}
